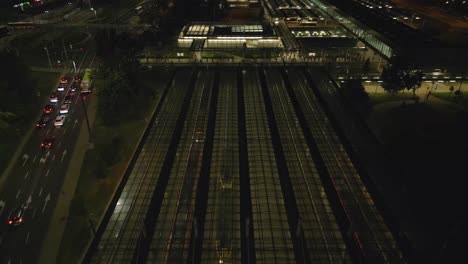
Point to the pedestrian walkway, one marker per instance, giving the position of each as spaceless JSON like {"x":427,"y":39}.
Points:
{"x":426,"y":87}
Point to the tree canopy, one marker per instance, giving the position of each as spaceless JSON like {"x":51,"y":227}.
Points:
{"x":355,"y":92}
{"x":399,"y":75}
{"x":5,"y":118}
{"x":16,"y":82}
{"x":116,"y":95}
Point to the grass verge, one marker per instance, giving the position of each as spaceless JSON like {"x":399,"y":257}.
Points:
{"x":97,"y":182}
{"x":428,"y":140}
{"x":378,"y":98}
{"x":461,"y":99}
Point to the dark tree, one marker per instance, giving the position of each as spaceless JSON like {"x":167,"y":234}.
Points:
{"x":5,"y":119}
{"x":116,"y":94}
{"x":399,"y":75}
{"x":356,"y":93}
{"x":391,"y":79}
{"x":16,"y":83}
{"x":412,"y":79}
{"x":105,"y":43}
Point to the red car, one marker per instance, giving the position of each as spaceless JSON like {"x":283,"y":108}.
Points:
{"x":48,"y":109}
{"x":64,"y":80}
{"x":43,"y":121}
{"x":16,"y":217}
{"x":48,"y":142}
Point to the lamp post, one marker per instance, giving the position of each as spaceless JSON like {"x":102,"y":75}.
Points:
{"x":92,"y":226}
{"x":92,"y":9}
{"x":95,"y":14}
{"x":86,"y":117}
{"x":65,"y":49}
{"x":48,"y":57}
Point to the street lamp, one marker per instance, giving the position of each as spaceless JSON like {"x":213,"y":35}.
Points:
{"x":48,"y":57}
{"x":86,"y":117}
{"x":95,"y":14}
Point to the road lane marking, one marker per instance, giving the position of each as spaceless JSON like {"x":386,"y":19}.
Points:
{"x":47,"y":199}
{"x":27,"y":238}
{"x":75,"y":123}
{"x":53,"y":157}
{"x":35,"y":156}
{"x":2,"y":205}
{"x":25,"y":159}
{"x":59,"y":143}
{"x":47,"y":173}
{"x":63,"y":155}
{"x":26,"y":175}
{"x":17,"y":194}
{"x":28,"y":201}
{"x":40,"y":192}
{"x":44,"y":159}
{"x":65,"y":131}
{"x":34,"y":213}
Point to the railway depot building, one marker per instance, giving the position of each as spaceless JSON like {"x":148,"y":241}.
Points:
{"x":199,"y":36}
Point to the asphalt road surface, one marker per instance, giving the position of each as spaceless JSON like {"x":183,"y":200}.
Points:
{"x":37,"y":177}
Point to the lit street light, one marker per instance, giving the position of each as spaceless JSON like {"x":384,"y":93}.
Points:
{"x":95,"y":14}
{"x":92,"y":9}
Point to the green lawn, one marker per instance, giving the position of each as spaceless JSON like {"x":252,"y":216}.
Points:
{"x":44,"y":82}
{"x":75,"y":37}
{"x":428,"y":141}
{"x":7,"y":15}
{"x":30,"y":44}
{"x":97,"y":182}
{"x":93,"y":193}
{"x":451,"y":97}
{"x":378,"y":98}
{"x":111,"y":12}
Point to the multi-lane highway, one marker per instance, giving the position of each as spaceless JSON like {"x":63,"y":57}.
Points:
{"x":36,"y":179}
{"x":242,"y":164}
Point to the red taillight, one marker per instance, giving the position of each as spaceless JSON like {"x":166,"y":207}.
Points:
{"x":37,"y":125}
{"x":42,"y":144}
{"x":10,"y":222}
{"x":20,"y":220}
{"x":50,"y":144}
